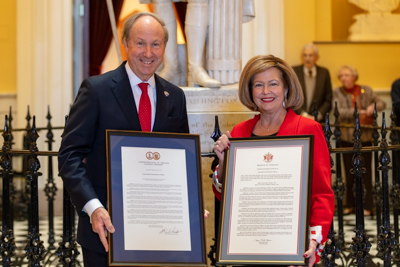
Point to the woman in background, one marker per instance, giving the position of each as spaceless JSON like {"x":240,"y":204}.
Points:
{"x":270,"y":86}
{"x":346,"y":96}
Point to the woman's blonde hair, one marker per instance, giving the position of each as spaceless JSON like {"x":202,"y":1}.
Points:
{"x":258,"y":64}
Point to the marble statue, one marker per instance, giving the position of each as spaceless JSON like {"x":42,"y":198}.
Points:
{"x":224,"y":45}
{"x":379,"y":24}
{"x":198,"y":20}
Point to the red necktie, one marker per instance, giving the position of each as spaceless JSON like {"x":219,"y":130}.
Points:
{"x":144,"y":109}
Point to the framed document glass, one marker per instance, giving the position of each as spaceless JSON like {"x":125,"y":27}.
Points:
{"x":264,"y":206}
{"x":155,"y":199}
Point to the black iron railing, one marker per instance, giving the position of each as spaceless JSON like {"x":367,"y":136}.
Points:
{"x":336,"y":251}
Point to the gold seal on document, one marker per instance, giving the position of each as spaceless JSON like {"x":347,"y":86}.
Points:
{"x":149,"y":155}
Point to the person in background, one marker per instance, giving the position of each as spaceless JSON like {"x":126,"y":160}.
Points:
{"x":270,"y":86}
{"x":346,"y":96}
{"x":395,"y":94}
{"x":131,"y":97}
{"x":316,"y":84}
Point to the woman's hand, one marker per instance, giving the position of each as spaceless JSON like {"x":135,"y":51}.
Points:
{"x":310,"y":253}
{"x":219,"y":149}
{"x":206,"y":214}
{"x":364,"y":117}
{"x":222,"y":144}
{"x":370,"y":110}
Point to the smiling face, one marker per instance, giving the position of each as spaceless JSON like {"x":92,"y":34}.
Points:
{"x":269,"y":91}
{"x":145,"y":47}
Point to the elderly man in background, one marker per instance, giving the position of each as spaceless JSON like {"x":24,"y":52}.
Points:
{"x":316,"y":84}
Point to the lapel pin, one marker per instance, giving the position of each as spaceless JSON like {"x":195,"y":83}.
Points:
{"x":166,"y":93}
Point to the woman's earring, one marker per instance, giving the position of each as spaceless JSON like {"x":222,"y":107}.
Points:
{"x":284,"y":100}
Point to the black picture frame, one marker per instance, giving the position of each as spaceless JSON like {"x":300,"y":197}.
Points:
{"x":190,"y":143}
{"x":241,"y":242}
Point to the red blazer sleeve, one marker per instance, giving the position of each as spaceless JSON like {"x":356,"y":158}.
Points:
{"x":322,"y":197}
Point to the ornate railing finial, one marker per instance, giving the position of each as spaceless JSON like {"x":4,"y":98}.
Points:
{"x":217,"y":132}
{"x":386,"y":238}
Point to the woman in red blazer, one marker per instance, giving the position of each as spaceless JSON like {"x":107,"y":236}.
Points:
{"x":270,"y":86}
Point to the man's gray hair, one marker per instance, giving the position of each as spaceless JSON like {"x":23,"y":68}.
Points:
{"x":311,"y":45}
{"x":132,"y":19}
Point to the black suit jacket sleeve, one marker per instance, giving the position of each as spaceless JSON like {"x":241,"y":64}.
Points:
{"x":324,"y":97}
{"x":78,"y":141}
{"x":395,"y":93}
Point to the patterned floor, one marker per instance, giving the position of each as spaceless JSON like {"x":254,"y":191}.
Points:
{"x":371,"y":231}
{"x":20,"y":235}
{"x":51,"y":259}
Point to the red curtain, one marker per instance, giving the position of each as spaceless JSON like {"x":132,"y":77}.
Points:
{"x":181,"y":13}
{"x":100,"y":34}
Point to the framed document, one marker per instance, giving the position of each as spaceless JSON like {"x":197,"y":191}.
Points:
{"x":265,"y":198}
{"x":155,"y":199}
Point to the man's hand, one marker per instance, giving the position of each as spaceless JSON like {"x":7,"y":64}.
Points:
{"x":101,"y":223}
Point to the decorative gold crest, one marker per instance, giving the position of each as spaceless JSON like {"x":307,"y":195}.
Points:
{"x":166,"y":93}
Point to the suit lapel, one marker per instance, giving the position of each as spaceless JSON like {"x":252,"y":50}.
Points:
{"x":301,"y":77}
{"x":303,"y":86}
{"x":162,"y":104}
{"x":123,"y":93}
{"x":318,"y":82}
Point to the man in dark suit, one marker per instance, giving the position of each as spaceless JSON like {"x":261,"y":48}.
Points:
{"x":113,"y":101}
{"x":316,"y":84}
{"x":395,"y":94}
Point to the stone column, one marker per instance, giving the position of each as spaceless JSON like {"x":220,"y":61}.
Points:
{"x":44,"y":67}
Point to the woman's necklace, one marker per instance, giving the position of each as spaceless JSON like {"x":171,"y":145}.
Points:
{"x":272,"y":126}
{"x":268,"y":129}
